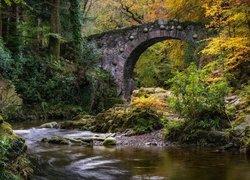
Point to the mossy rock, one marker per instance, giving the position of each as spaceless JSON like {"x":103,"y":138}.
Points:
{"x":50,"y":125}
{"x":188,"y":133}
{"x":120,"y":119}
{"x":69,"y":141}
{"x":56,"y":140}
{"x":14,"y":163}
{"x":5,"y":129}
{"x":109,"y":141}
{"x":84,"y":123}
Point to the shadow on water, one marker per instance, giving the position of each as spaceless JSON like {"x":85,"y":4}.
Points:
{"x":57,"y":162}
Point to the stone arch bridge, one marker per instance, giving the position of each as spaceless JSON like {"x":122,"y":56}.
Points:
{"x":121,"y":48}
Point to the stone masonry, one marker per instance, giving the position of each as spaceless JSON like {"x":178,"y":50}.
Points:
{"x":121,"y":48}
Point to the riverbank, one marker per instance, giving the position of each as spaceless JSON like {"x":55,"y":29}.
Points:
{"x":148,"y":121}
{"x":14,"y":163}
{"x":53,"y":161}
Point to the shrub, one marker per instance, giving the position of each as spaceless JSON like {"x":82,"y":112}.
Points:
{"x":171,"y":124}
{"x":5,"y":146}
{"x":5,"y":59}
{"x":196,"y":98}
{"x":149,"y":104}
{"x":10,"y":102}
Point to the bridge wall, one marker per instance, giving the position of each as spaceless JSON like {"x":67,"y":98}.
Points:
{"x":120,"y":49}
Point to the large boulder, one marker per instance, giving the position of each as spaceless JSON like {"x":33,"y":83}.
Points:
{"x":123,"y":118}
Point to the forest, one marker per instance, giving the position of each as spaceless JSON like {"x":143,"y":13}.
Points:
{"x":117,"y":75}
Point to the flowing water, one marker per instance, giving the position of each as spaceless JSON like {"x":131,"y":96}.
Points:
{"x":63,"y":162}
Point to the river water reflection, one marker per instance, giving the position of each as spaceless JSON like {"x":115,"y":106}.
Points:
{"x":63,"y":162}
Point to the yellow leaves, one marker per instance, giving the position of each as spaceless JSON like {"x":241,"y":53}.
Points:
{"x":176,"y":53}
{"x":215,"y":79}
{"x":149,"y":103}
{"x":188,"y":10}
{"x":231,"y":52}
{"x":217,"y":45}
{"x":150,"y":99}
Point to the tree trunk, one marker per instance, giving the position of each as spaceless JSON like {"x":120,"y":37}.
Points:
{"x":54,"y":40}
{"x":1,"y":23}
{"x":5,"y":24}
{"x":39,"y":35}
{"x":13,"y":41}
{"x":75,"y":18}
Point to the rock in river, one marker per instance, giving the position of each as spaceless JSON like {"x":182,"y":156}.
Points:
{"x":50,"y":125}
{"x":109,"y":141}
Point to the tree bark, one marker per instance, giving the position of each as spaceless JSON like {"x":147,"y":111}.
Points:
{"x":13,"y":41}
{"x":54,"y":40}
{"x":75,"y":17}
{"x":5,"y":26}
{"x":39,"y":35}
{"x":1,"y":23}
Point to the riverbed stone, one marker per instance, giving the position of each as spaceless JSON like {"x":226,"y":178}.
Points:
{"x":56,"y":140}
{"x":78,"y":141}
{"x":124,"y":118}
{"x":50,"y":125}
{"x":109,"y":141}
{"x":86,"y":123}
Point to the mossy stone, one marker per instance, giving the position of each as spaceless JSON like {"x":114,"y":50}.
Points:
{"x":109,"y":141}
{"x":56,"y":140}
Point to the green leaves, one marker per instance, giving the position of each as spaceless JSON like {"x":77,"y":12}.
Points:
{"x":10,"y":2}
{"x":5,"y":145}
{"x":194,"y":97}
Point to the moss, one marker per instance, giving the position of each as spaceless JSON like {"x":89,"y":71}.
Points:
{"x":23,"y":166}
{"x":109,"y":142}
{"x":13,"y":161}
{"x":69,"y":141}
{"x":247,"y":146}
{"x":5,"y":129}
{"x":56,"y":140}
{"x":84,"y":123}
{"x":190,"y":133}
{"x":8,"y":175}
{"x":122,"y":118}
{"x":171,"y":124}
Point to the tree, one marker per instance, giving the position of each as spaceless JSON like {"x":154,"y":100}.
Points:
{"x":1,"y":23}
{"x":75,"y":17}
{"x":230,"y":48}
{"x":54,"y":39}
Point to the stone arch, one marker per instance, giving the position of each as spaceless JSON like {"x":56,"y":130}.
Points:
{"x":120,"y":49}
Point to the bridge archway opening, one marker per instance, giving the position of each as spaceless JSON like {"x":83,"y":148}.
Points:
{"x":136,"y":58}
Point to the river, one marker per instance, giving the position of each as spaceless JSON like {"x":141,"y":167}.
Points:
{"x":64,"y":162}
